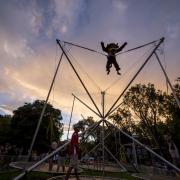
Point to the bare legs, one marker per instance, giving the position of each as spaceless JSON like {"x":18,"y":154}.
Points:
{"x":69,"y":172}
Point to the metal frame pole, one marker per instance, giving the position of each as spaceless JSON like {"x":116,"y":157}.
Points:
{"x":115,"y":159}
{"x":94,"y":126}
{"x":167,"y":78}
{"x":48,"y":156}
{"x":44,"y":108}
{"x":111,"y":110}
{"x":87,"y":106}
{"x":97,"y":144}
{"x":70,"y":117}
{"x":39,"y":162}
{"x":58,"y":42}
{"x":135,"y":154}
{"x":103,"y":147}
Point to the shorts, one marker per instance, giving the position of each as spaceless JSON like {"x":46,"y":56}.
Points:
{"x":74,"y":161}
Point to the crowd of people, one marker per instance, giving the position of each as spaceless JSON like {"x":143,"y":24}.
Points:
{"x":73,"y":151}
{"x":9,"y":149}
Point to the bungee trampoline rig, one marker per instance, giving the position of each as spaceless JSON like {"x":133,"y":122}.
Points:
{"x":101,"y":112}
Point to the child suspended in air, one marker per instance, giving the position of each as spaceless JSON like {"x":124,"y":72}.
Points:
{"x":112,"y":49}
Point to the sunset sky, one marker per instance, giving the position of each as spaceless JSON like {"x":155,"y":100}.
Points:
{"x":29,"y":53}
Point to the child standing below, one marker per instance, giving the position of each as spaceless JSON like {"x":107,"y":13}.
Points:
{"x":61,"y":158}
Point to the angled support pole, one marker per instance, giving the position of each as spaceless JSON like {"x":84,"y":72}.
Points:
{"x":39,"y":162}
{"x":100,"y":142}
{"x":103,"y":146}
{"x":115,"y":159}
{"x":48,"y":156}
{"x":43,"y":110}
{"x":93,"y":127}
{"x":111,"y":110}
{"x":86,"y":106}
{"x":167,"y":78}
{"x":58,"y":42}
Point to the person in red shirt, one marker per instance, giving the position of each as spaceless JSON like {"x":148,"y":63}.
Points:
{"x":74,"y":153}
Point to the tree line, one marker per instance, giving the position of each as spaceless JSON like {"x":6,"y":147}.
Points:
{"x":148,"y":113}
{"x":20,"y":128}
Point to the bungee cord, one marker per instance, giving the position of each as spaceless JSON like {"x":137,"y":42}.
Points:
{"x":92,"y":50}
{"x":165,"y":65}
{"x":138,"y":47}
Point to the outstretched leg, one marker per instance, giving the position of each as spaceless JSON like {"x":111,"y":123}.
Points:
{"x":116,"y":65}
{"x":108,"y":66}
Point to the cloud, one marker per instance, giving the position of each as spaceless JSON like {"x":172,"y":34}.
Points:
{"x":68,"y":15}
{"x":4,"y":110}
{"x":27,"y":47}
{"x":173,"y":31}
{"x":120,"y":5}
{"x":17,"y":49}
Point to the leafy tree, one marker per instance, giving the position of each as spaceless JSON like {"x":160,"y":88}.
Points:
{"x":95,"y":135}
{"x":145,"y":102}
{"x":24,"y":122}
{"x":5,"y":131}
{"x":173,"y":114}
{"x":123,"y":119}
{"x":85,"y":124}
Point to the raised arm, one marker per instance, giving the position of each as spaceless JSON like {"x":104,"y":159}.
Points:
{"x":103,"y":47}
{"x":121,"y":48}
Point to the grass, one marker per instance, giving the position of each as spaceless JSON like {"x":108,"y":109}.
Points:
{"x":44,"y":176}
{"x":31,"y":176}
{"x":123,"y":175}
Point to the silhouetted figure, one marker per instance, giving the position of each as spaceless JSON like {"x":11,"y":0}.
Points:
{"x":173,"y":150}
{"x":112,"y":49}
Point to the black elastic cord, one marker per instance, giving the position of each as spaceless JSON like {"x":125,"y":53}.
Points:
{"x":137,"y":47}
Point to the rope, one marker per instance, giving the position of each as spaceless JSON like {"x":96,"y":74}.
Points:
{"x":82,"y":69}
{"x":162,"y":52}
{"x":137,"y":47}
{"x":84,"y":48}
{"x":165,"y":67}
{"x":92,"y":50}
{"x":53,"y":89}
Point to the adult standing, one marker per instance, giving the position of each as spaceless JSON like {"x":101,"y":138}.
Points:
{"x":74,"y":153}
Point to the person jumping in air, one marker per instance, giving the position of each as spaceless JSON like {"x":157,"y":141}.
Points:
{"x":112,"y":49}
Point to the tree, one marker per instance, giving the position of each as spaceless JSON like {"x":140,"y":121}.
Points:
{"x":5,"y":124}
{"x":146,"y":103}
{"x":90,"y":138}
{"x":85,"y":124}
{"x":123,"y":119}
{"x":24,"y":122}
{"x":173,"y":114}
